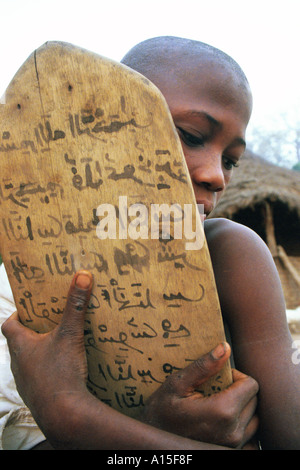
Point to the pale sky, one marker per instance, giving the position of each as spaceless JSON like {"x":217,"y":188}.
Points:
{"x":261,"y":35}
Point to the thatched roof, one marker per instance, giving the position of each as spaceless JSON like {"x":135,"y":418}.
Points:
{"x":255,"y":181}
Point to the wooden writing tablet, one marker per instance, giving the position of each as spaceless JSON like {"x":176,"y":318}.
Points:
{"x":88,"y":154}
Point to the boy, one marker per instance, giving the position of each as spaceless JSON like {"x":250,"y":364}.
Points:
{"x":210,"y":102}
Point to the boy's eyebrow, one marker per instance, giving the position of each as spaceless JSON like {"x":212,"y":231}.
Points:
{"x":215,"y":122}
{"x":203,"y":113}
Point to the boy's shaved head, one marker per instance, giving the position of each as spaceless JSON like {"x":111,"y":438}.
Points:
{"x":169,"y":54}
{"x":178,"y":64}
{"x":210,"y":102}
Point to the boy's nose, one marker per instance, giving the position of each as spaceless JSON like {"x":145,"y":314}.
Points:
{"x":210,"y":174}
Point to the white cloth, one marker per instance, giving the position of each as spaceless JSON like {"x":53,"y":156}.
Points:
{"x":18,"y":430}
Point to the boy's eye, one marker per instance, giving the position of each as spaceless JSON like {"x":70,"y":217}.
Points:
{"x":189,"y":139}
{"x":229,"y":164}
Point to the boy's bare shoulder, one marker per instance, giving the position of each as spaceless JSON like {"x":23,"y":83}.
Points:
{"x":233,"y":244}
{"x":221,"y":230}
{"x":243,"y":264}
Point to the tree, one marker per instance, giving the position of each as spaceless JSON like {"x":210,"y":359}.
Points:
{"x":296,"y":167}
{"x":278,"y":142}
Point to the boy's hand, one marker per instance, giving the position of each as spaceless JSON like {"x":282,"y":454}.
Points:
{"x":51,"y":369}
{"x":226,"y":418}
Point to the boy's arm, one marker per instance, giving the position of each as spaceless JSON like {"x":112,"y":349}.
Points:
{"x":253,"y":305}
{"x":50,"y":371}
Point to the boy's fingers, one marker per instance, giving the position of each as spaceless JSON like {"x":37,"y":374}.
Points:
{"x":14,"y":317}
{"x":190,"y":378}
{"x":15,"y":332}
{"x":243,"y":389}
{"x":78,"y":298}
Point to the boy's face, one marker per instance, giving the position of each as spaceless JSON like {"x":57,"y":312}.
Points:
{"x":211,"y":111}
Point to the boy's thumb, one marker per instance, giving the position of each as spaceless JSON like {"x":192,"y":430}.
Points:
{"x":194,"y":375}
{"x":77,"y":301}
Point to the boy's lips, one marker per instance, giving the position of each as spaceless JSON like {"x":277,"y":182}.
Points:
{"x":208,"y":206}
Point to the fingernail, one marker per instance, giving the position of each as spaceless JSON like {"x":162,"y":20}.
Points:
{"x":219,"y":351}
{"x":83,"y":280}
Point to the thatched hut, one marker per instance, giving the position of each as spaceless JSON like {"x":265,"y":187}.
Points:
{"x":266,"y":198}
